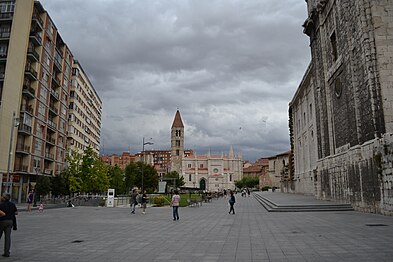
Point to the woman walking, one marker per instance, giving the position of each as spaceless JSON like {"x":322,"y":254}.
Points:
{"x":175,"y":205}
{"x":232,"y":202}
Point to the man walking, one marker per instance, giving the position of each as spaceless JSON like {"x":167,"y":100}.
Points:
{"x":133,"y":201}
{"x":7,"y":221}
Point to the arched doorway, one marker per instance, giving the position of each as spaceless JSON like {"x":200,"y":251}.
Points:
{"x":202,"y":184}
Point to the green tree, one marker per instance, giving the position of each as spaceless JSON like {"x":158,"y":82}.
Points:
{"x":173,"y":175}
{"x":133,"y":176}
{"x":94,"y":173}
{"x":72,"y":174}
{"x":117,"y":182}
{"x":43,"y":185}
{"x":59,"y":185}
{"x":249,"y":182}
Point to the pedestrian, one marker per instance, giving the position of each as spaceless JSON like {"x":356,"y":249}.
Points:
{"x":175,"y":205}
{"x":7,"y":221}
{"x":144,"y":202}
{"x":248,"y":192}
{"x":29,"y":201}
{"x":41,"y":207}
{"x":232,"y":202}
{"x":133,"y":201}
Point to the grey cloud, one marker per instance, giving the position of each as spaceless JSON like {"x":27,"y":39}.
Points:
{"x":227,"y":64}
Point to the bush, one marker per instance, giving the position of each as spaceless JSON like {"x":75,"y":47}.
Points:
{"x":266,"y":188}
{"x":159,"y":201}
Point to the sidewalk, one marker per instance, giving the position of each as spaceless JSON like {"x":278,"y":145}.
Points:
{"x":206,"y":233}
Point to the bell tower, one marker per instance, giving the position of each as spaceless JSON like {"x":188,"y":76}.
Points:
{"x":177,"y":143}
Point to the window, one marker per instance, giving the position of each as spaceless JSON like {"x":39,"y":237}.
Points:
{"x":177,"y":152}
{"x":189,"y":165}
{"x":230,"y":177}
{"x":7,"y":7}
{"x":38,"y":147}
{"x":43,"y":94}
{"x":189,"y":177}
{"x":333,"y":42}
{"x":201,"y":166}
{"x":177,"y":143}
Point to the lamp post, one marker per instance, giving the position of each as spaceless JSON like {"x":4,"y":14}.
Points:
{"x":15,"y":123}
{"x":143,"y":154}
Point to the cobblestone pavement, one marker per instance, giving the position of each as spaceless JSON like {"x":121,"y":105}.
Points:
{"x":206,"y":233}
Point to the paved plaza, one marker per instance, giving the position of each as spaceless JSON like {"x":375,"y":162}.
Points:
{"x":206,"y":233}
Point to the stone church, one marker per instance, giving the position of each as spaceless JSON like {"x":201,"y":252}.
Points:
{"x":341,"y":116}
{"x":207,"y":172}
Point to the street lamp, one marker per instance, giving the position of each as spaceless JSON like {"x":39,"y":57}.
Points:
{"x":143,"y":154}
{"x":15,"y":123}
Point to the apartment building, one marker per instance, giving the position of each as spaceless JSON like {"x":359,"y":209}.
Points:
{"x":84,"y":116}
{"x":35,"y":73}
{"x":121,"y":161}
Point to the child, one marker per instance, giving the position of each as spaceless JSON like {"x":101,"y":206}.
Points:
{"x":41,"y":207}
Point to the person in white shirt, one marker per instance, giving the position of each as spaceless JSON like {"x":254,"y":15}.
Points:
{"x":175,"y":205}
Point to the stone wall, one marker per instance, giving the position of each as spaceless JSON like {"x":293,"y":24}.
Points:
{"x":363,"y":176}
{"x":352,"y":76}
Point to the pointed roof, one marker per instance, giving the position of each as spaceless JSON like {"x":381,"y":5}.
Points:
{"x":177,"y":122}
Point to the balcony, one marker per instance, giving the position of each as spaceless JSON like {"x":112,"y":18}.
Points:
{"x":48,"y":171}
{"x":30,"y":72}
{"x":52,"y":125}
{"x":58,"y":65}
{"x":4,"y":35}
{"x":22,"y":149}
{"x":55,"y":94}
{"x":21,"y":168}
{"x":50,"y":140}
{"x":38,"y":21}
{"x":3,"y":57}
{"x":6,"y":16}
{"x":55,"y":81}
{"x":28,"y":91}
{"x":50,"y":156}
{"x":54,"y":109}
{"x":33,"y":55}
{"x":35,"y":38}
{"x":27,"y":109}
{"x":23,"y":128}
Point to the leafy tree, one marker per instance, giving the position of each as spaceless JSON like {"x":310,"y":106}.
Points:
{"x":43,"y":186}
{"x":249,"y":182}
{"x":72,"y":174}
{"x":93,"y":173}
{"x":173,"y":175}
{"x":59,"y":185}
{"x":117,"y":182}
{"x":133,"y":176}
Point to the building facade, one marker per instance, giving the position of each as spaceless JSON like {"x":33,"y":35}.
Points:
{"x":210,"y":172}
{"x":35,"y":75}
{"x":278,"y":168}
{"x":85,"y":110}
{"x":350,"y":76}
{"x":302,"y":115}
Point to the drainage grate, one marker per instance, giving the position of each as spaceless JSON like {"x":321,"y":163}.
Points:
{"x":376,"y":225}
{"x":77,"y":241}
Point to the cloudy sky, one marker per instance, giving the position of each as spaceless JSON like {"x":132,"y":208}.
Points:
{"x":230,"y":66}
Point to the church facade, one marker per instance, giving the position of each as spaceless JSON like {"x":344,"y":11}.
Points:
{"x":341,"y":117}
{"x":206,"y":172}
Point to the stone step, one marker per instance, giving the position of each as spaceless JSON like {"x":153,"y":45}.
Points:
{"x":270,"y":206}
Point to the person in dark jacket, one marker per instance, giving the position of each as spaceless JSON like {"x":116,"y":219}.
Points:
{"x":232,"y":202}
{"x":7,"y":221}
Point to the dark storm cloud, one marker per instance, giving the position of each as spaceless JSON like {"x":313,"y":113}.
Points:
{"x":231,"y":66}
